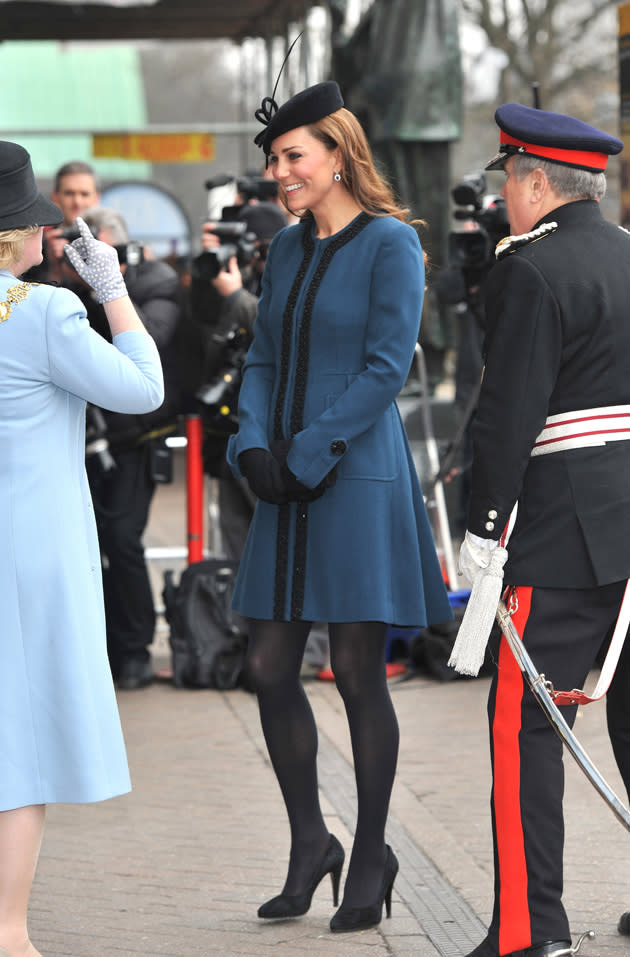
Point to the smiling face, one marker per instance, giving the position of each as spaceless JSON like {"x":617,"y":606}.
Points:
{"x":305,"y":168}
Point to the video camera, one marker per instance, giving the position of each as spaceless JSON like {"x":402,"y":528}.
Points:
{"x":235,"y":241}
{"x":219,"y":398}
{"x":257,"y":187}
{"x":474,"y":248}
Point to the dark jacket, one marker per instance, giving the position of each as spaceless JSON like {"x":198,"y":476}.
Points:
{"x":558,"y":340}
{"x":154,"y":289}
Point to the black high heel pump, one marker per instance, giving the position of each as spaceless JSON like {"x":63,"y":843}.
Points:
{"x":360,"y":918}
{"x":294,"y":905}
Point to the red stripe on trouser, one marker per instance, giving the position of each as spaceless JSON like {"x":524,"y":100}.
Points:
{"x":514,"y":921}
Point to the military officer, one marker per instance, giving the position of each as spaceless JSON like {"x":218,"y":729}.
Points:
{"x":551,"y":434}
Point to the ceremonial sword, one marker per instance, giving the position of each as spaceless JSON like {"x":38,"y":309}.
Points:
{"x":542,"y":689}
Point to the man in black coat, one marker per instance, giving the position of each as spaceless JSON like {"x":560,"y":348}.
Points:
{"x":552,"y":434}
{"x":122,"y":496}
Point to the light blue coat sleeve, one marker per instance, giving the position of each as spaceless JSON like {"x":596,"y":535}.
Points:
{"x":123,"y":376}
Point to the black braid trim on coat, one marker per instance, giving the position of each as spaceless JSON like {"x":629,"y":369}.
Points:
{"x":287,"y":330}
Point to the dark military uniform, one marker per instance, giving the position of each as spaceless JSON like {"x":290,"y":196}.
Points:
{"x":558,"y":344}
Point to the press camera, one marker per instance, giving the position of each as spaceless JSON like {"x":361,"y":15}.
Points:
{"x":474,"y":248}
{"x":219,"y":397}
{"x":235,"y":241}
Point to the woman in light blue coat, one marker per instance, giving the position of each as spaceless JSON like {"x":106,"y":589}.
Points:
{"x":340,"y":532}
{"x":60,"y":734}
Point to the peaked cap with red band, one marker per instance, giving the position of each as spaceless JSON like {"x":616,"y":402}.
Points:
{"x":554,"y":137}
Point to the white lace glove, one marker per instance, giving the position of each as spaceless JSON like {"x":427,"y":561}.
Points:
{"x":96,"y":263}
{"x":475,"y":554}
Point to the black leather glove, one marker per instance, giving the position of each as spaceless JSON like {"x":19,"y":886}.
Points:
{"x":296,"y":490}
{"x":263,"y":475}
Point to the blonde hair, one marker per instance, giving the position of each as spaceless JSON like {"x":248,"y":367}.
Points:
{"x":12,"y":244}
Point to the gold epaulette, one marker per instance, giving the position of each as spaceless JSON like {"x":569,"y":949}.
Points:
{"x":510,"y":243}
{"x":15,"y":294}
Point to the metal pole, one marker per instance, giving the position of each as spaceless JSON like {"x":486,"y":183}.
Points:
{"x":443,"y":529}
{"x":194,"y":488}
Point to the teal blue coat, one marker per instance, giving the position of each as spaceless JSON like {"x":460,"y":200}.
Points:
{"x":334,"y":338}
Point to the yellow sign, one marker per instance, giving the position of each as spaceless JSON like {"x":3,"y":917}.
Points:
{"x":155,"y":147}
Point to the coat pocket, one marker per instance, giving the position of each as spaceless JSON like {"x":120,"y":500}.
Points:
{"x":376,"y":453}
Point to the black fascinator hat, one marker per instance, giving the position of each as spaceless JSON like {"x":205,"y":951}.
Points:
{"x":305,"y":107}
{"x":21,"y":203}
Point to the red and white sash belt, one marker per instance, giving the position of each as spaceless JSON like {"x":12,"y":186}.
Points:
{"x":583,"y":429}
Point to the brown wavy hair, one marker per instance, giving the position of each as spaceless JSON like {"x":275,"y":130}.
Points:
{"x":12,"y":244}
{"x":369,"y":188}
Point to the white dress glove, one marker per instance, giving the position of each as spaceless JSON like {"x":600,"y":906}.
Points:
{"x":475,"y":554}
{"x":96,"y":263}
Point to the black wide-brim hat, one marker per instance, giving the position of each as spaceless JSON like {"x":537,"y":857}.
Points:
{"x":21,"y":203}
{"x":306,"y":107}
{"x":556,"y":137}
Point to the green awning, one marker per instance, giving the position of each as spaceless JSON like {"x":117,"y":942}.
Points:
{"x":59,"y":87}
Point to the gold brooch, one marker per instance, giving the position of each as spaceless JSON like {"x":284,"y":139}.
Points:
{"x":14,"y":295}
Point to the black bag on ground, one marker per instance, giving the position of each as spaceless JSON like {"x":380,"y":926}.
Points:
{"x":208,"y":647}
{"x":431,"y":648}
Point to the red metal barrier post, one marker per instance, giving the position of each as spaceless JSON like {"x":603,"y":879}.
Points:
{"x":194,"y":488}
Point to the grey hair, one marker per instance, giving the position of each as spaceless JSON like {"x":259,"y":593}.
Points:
{"x":567,"y":181}
{"x":101,"y":217}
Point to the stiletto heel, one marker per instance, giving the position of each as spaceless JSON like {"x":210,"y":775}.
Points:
{"x":360,"y":918}
{"x":295,"y":905}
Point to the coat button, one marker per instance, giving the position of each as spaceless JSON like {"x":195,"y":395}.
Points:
{"x":492,"y":513}
{"x":338,"y":447}
{"x":489,"y":526}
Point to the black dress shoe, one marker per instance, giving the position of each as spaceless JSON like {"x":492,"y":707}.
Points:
{"x":550,"y":948}
{"x":294,"y":905}
{"x":134,"y":673}
{"x":556,"y":948}
{"x":559,"y":948}
{"x":484,"y":949}
{"x":624,"y":923}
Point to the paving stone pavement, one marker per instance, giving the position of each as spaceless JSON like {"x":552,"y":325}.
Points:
{"x":179,"y":866}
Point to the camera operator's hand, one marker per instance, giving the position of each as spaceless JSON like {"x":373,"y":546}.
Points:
{"x":263,"y":475}
{"x":55,"y":243}
{"x":97,"y":264}
{"x":228,"y":280}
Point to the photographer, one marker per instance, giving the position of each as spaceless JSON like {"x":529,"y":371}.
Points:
{"x":76,"y":189}
{"x":221,"y":328}
{"x":460,"y":286}
{"x":122,"y":494}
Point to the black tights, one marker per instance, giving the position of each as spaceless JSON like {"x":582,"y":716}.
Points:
{"x":357,"y":652}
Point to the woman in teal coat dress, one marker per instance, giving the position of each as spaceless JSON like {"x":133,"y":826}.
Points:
{"x":340,"y":532}
{"x":60,"y":734}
